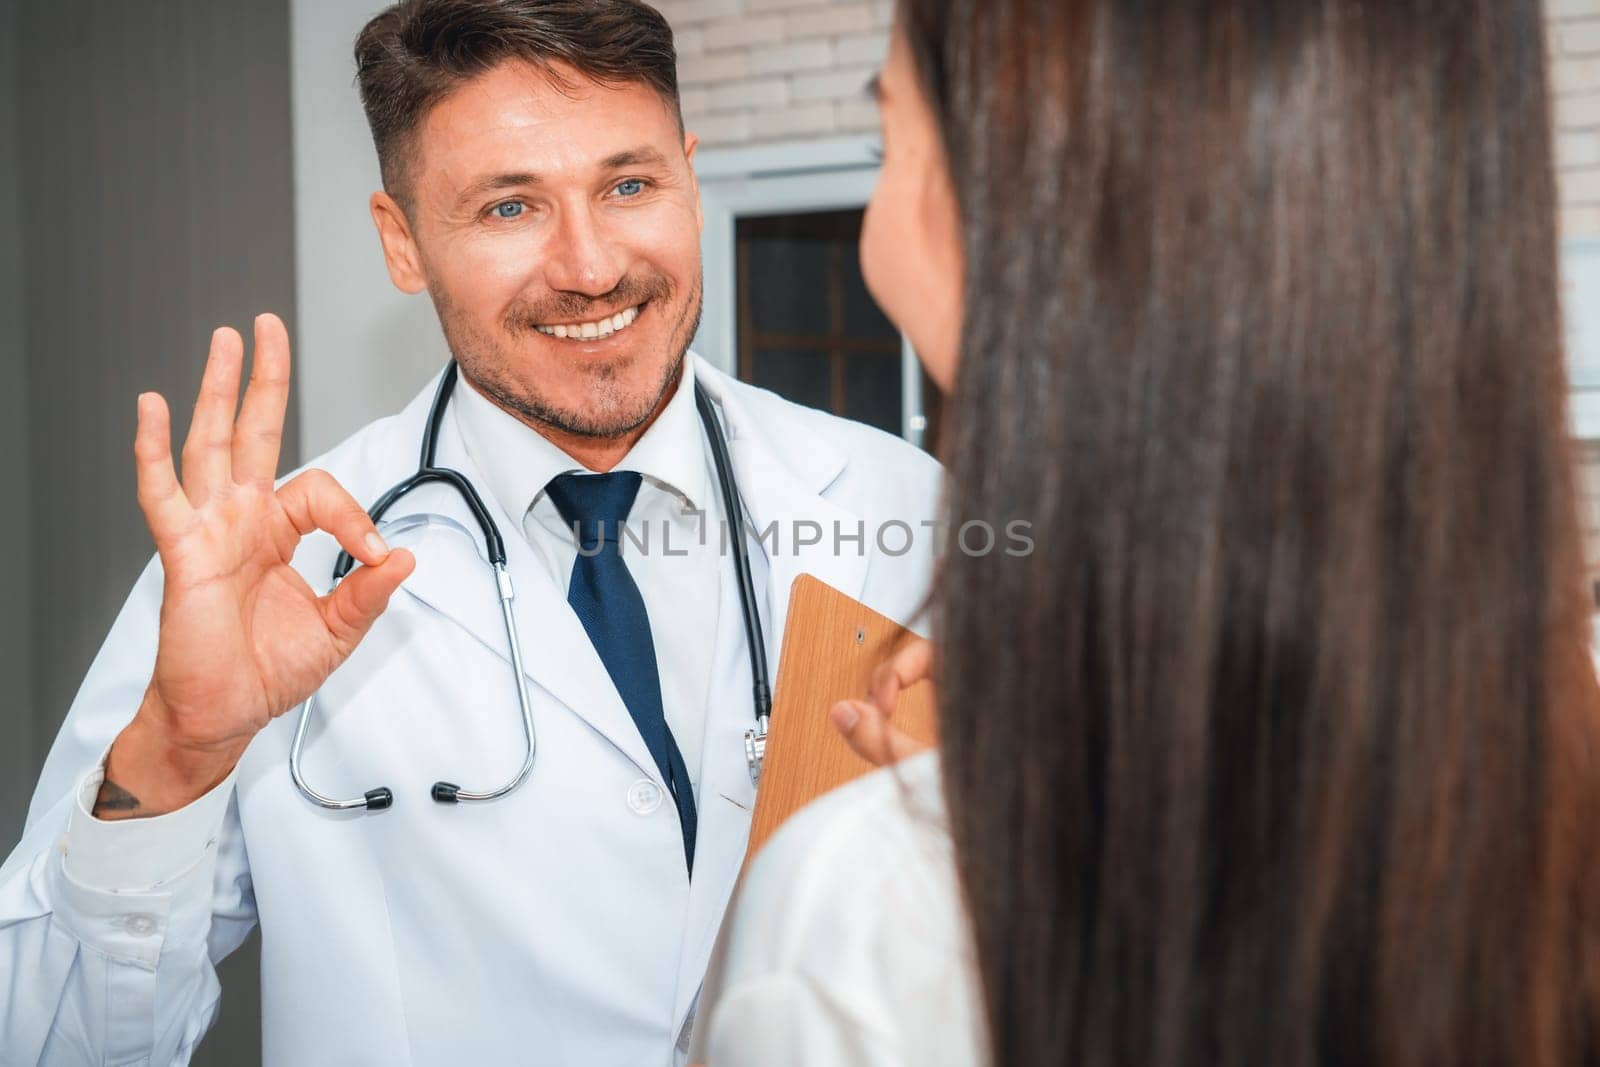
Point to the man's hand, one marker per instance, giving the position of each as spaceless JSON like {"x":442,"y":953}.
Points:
{"x":243,"y":638}
{"x":866,"y":724}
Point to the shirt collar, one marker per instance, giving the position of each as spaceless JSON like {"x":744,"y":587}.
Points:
{"x":517,"y":461}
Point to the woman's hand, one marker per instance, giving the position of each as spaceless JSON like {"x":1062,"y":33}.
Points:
{"x":866,"y":724}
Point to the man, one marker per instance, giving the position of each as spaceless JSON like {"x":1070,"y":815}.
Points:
{"x":538,"y":184}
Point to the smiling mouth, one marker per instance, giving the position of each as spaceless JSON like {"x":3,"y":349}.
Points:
{"x":593,"y":331}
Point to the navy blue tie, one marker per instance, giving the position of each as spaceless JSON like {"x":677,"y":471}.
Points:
{"x":608,"y":604}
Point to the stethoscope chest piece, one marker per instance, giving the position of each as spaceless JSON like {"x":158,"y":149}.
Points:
{"x":755,"y":748}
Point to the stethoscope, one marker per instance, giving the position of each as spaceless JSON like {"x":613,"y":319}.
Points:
{"x":448,"y":792}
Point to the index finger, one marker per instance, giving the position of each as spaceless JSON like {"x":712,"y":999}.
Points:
{"x":258,"y":435}
{"x":905,"y":668}
{"x":313,"y":500}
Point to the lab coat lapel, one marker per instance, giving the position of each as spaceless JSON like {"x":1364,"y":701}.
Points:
{"x":782,"y":466}
{"x":557,"y":654}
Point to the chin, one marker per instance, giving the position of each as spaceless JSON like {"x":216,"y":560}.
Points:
{"x":608,"y":396}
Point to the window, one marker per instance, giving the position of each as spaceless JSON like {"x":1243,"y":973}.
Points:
{"x":808,"y":329}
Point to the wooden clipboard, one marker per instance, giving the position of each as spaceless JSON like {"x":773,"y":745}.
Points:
{"x":831,"y":645}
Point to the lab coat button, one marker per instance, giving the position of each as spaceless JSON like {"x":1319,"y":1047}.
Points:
{"x":644,"y":796}
{"x":139,"y":925}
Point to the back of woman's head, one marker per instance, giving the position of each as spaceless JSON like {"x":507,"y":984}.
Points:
{"x":1276,"y":749}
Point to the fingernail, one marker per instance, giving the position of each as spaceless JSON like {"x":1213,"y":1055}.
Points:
{"x":376,"y":546}
{"x":844,"y":715}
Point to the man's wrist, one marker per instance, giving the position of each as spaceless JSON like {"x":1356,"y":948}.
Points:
{"x":149,"y":773}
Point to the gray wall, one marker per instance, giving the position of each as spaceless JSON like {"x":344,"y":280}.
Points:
{"x":366,"y":347}
{"x":148,"y":159}
{"x":19,"y":750}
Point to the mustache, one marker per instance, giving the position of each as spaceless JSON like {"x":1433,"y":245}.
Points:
{"x":632,"y":290}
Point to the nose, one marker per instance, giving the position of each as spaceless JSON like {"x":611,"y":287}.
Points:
{"x":581,"y":257}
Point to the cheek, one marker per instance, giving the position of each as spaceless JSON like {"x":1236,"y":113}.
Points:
{"x":908,"y":270}
{"x":883,"y":246}
{"x":667,"y":241}
{"x":485,"y":274}
{"x":942,"y":264}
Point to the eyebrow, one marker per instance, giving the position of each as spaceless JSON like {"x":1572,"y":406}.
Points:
{"x":644,"y":156}
{"x":497,"y":181}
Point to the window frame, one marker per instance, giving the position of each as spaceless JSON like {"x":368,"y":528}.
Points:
{"x":832,"y":175}
{"x":1580,"y":298}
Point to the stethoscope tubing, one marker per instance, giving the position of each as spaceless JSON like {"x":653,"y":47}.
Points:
{"x":382,"y":797}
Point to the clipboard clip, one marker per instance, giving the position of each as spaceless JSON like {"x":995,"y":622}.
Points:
{"x":755,"y":747}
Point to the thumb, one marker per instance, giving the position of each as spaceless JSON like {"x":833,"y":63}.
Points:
{"x":355,"y":603}
{"x":866,"y":728}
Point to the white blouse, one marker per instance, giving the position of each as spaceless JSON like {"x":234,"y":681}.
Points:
{"x":848,"y":945}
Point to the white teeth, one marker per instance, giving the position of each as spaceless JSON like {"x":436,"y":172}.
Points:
{"x":593,"y":330}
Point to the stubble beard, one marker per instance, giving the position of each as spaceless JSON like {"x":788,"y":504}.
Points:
{"x":612,"y":411}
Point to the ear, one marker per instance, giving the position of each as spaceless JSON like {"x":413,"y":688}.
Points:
{"x":400,"y":251}
{"x":690,"y":143}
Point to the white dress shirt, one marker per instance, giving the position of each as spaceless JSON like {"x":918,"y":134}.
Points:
{"x":674,"y":532}
{"x":848,"y":944}
{"x":671,"y":549}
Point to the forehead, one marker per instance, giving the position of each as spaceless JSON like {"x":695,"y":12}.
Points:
{"x":517,"y":118}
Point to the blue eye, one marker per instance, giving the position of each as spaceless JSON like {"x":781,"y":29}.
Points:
{"x":631,"y":187}
{"x":509,"y":210}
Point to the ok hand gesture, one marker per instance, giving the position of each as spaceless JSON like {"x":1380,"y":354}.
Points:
{"x":243,"y":638}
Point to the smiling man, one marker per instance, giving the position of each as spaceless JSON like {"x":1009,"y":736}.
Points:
{"x":535,"y":199}
{"x":559,"y":907}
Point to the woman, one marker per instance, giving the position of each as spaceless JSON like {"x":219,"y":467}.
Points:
{"x":1280,"y":747}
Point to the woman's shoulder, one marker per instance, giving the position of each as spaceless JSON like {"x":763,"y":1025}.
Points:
{"x":904,"y":799}
{"x":853,"y":909}
{"x":889,"y":826}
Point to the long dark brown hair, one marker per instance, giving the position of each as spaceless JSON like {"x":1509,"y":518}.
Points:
{"x":1278,"y":749}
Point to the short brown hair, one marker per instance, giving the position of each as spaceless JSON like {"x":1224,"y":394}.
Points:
{"x":415,"y":53}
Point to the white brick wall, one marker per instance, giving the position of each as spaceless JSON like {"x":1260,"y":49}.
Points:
{"x":761,"y":71}
{"x":1575,"y":78}
{"x":758,"y":71}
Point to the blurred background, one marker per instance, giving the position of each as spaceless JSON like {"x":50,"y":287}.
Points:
{"x":167,"y":166}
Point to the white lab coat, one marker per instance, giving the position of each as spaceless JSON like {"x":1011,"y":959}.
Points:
{"x":555,"y":926}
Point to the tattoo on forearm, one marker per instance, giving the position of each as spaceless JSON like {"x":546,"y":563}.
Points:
{"x":115,"y":798}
